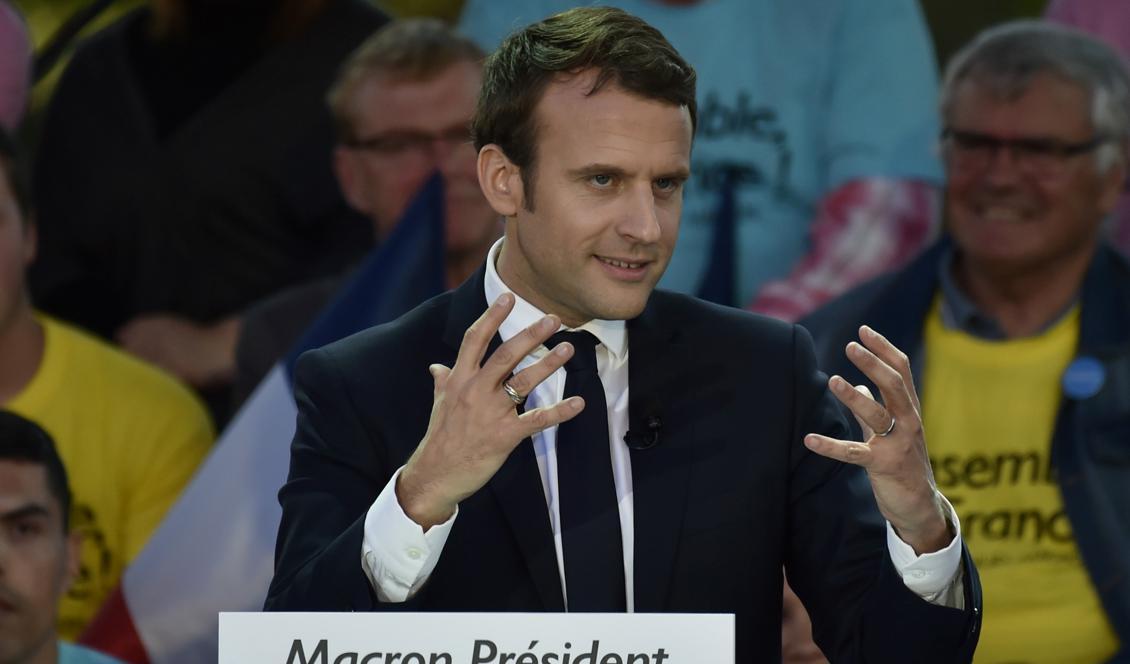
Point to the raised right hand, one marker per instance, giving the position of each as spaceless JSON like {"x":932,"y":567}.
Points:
{"x":474,"y":425}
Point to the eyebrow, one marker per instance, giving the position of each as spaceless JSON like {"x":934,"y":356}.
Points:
{"x":26,"y":511}
{"x":608,"y":169}
{"x":1021,"y":138}
{"x":596,"y":169}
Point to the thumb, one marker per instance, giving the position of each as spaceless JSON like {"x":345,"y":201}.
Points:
{"x":439,"y":375}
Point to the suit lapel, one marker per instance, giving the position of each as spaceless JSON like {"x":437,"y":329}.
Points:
{"x":660,"y":473}
{"x":517,"y":484}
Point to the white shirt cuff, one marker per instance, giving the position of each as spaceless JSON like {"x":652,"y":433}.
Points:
{"x":931,"y":576}
{"x":397,"y":555}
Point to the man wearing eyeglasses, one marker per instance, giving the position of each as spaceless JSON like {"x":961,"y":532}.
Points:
{"x":1017,"y":325}
{"x":402,"y":105}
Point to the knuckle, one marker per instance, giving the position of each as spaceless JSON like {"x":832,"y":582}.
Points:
{"x":520,"y":382}
{"x":503,"y":355}
{"x":552,"y":362}
{"x":540,"y":419}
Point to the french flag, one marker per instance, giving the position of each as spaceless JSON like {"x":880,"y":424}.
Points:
{"x":214,"y":551}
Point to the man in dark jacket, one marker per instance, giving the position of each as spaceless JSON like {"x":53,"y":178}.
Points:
{"x":1018,"y":328}
{"x":672,"y":455}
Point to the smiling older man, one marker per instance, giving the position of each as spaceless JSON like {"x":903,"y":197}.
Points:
{"x":1018,"y":325}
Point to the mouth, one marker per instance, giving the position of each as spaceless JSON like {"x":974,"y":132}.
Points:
{"x":1008,"y":214}
{"x":624,"y":269}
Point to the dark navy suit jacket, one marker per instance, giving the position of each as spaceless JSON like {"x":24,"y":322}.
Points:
{"x":727,"y":497}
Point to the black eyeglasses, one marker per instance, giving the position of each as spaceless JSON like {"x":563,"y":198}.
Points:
{"x":402,"y":143}
{"x":970,"y":151}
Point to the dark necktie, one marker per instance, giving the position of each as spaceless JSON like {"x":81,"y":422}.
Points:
{"x":590,"y":520}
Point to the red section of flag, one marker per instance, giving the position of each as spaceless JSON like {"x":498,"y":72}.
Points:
{"x":112,"y":631}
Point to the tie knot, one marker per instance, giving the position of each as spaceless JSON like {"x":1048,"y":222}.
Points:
{"x":584,"y":349}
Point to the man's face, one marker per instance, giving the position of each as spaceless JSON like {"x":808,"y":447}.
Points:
{"x":608,"y":192}
{"x":17,"y":248}
{"x":419,"y":127}
{"x":1010,"y":211}
{"x":37,"y":561}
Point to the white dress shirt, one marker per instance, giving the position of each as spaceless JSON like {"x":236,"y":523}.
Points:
{"x":398,"y":556}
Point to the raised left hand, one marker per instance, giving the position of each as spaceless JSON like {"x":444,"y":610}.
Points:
{"x":895,"y":458}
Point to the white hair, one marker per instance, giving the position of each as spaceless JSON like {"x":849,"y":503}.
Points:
{"x":1006,"y":58}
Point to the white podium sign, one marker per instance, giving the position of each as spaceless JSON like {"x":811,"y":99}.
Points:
{"x":476,"y":638}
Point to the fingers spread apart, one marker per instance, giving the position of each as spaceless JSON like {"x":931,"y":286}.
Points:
{"x":477,"y":338}
{"x":529,"y":378}
{"x":858,"y":454}
{"x":893,"y":357}
{"x":891,"y":384}
{"x":870,"y":414}
{"x":540,"y":419}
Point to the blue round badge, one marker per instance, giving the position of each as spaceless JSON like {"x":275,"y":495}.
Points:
{"x":1083,"y":378}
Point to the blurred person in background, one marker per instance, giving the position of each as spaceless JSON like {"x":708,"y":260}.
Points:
{"x":402,"y":105}
{"x":1018,"y":327}
{"x":39,"y":552}
{"x":131,"y":435}
{"x":15,"y":67}
{"x":184,"y":173}
{"x":813,"y":168}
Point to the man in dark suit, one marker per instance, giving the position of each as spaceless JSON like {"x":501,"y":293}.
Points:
{"x":520,"y":475}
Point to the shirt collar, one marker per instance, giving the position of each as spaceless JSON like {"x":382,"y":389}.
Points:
{"x":959,"y":312}
{"x":612,"y":334}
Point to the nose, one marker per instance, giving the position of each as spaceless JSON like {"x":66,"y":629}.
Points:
{"x":1003,"y":166}
{"x":640,"y":222}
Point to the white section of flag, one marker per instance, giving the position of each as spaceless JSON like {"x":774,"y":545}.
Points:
{"x":215,"y":549}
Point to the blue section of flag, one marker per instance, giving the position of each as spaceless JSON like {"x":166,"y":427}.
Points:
{"x":718,"y":281}
{"x":406,"y":269}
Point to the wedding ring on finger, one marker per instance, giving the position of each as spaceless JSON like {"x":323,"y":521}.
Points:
{"x":891,"y":428}
{"x":518,"y":399}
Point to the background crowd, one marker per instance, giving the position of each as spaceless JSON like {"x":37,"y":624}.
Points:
{"x":194,"y":191}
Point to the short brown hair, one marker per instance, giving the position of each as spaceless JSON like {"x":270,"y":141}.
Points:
{"x":627,"y":52}
{"x":25,"y":441}
{"x":416,"y":49}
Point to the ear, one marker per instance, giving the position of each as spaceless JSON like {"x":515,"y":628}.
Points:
{"x":350,"y":178}
{"x":501,"y":181}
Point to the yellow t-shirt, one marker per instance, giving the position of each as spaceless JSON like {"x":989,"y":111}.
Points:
{"x":130,"y":437}
{"x":989,"y":411}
